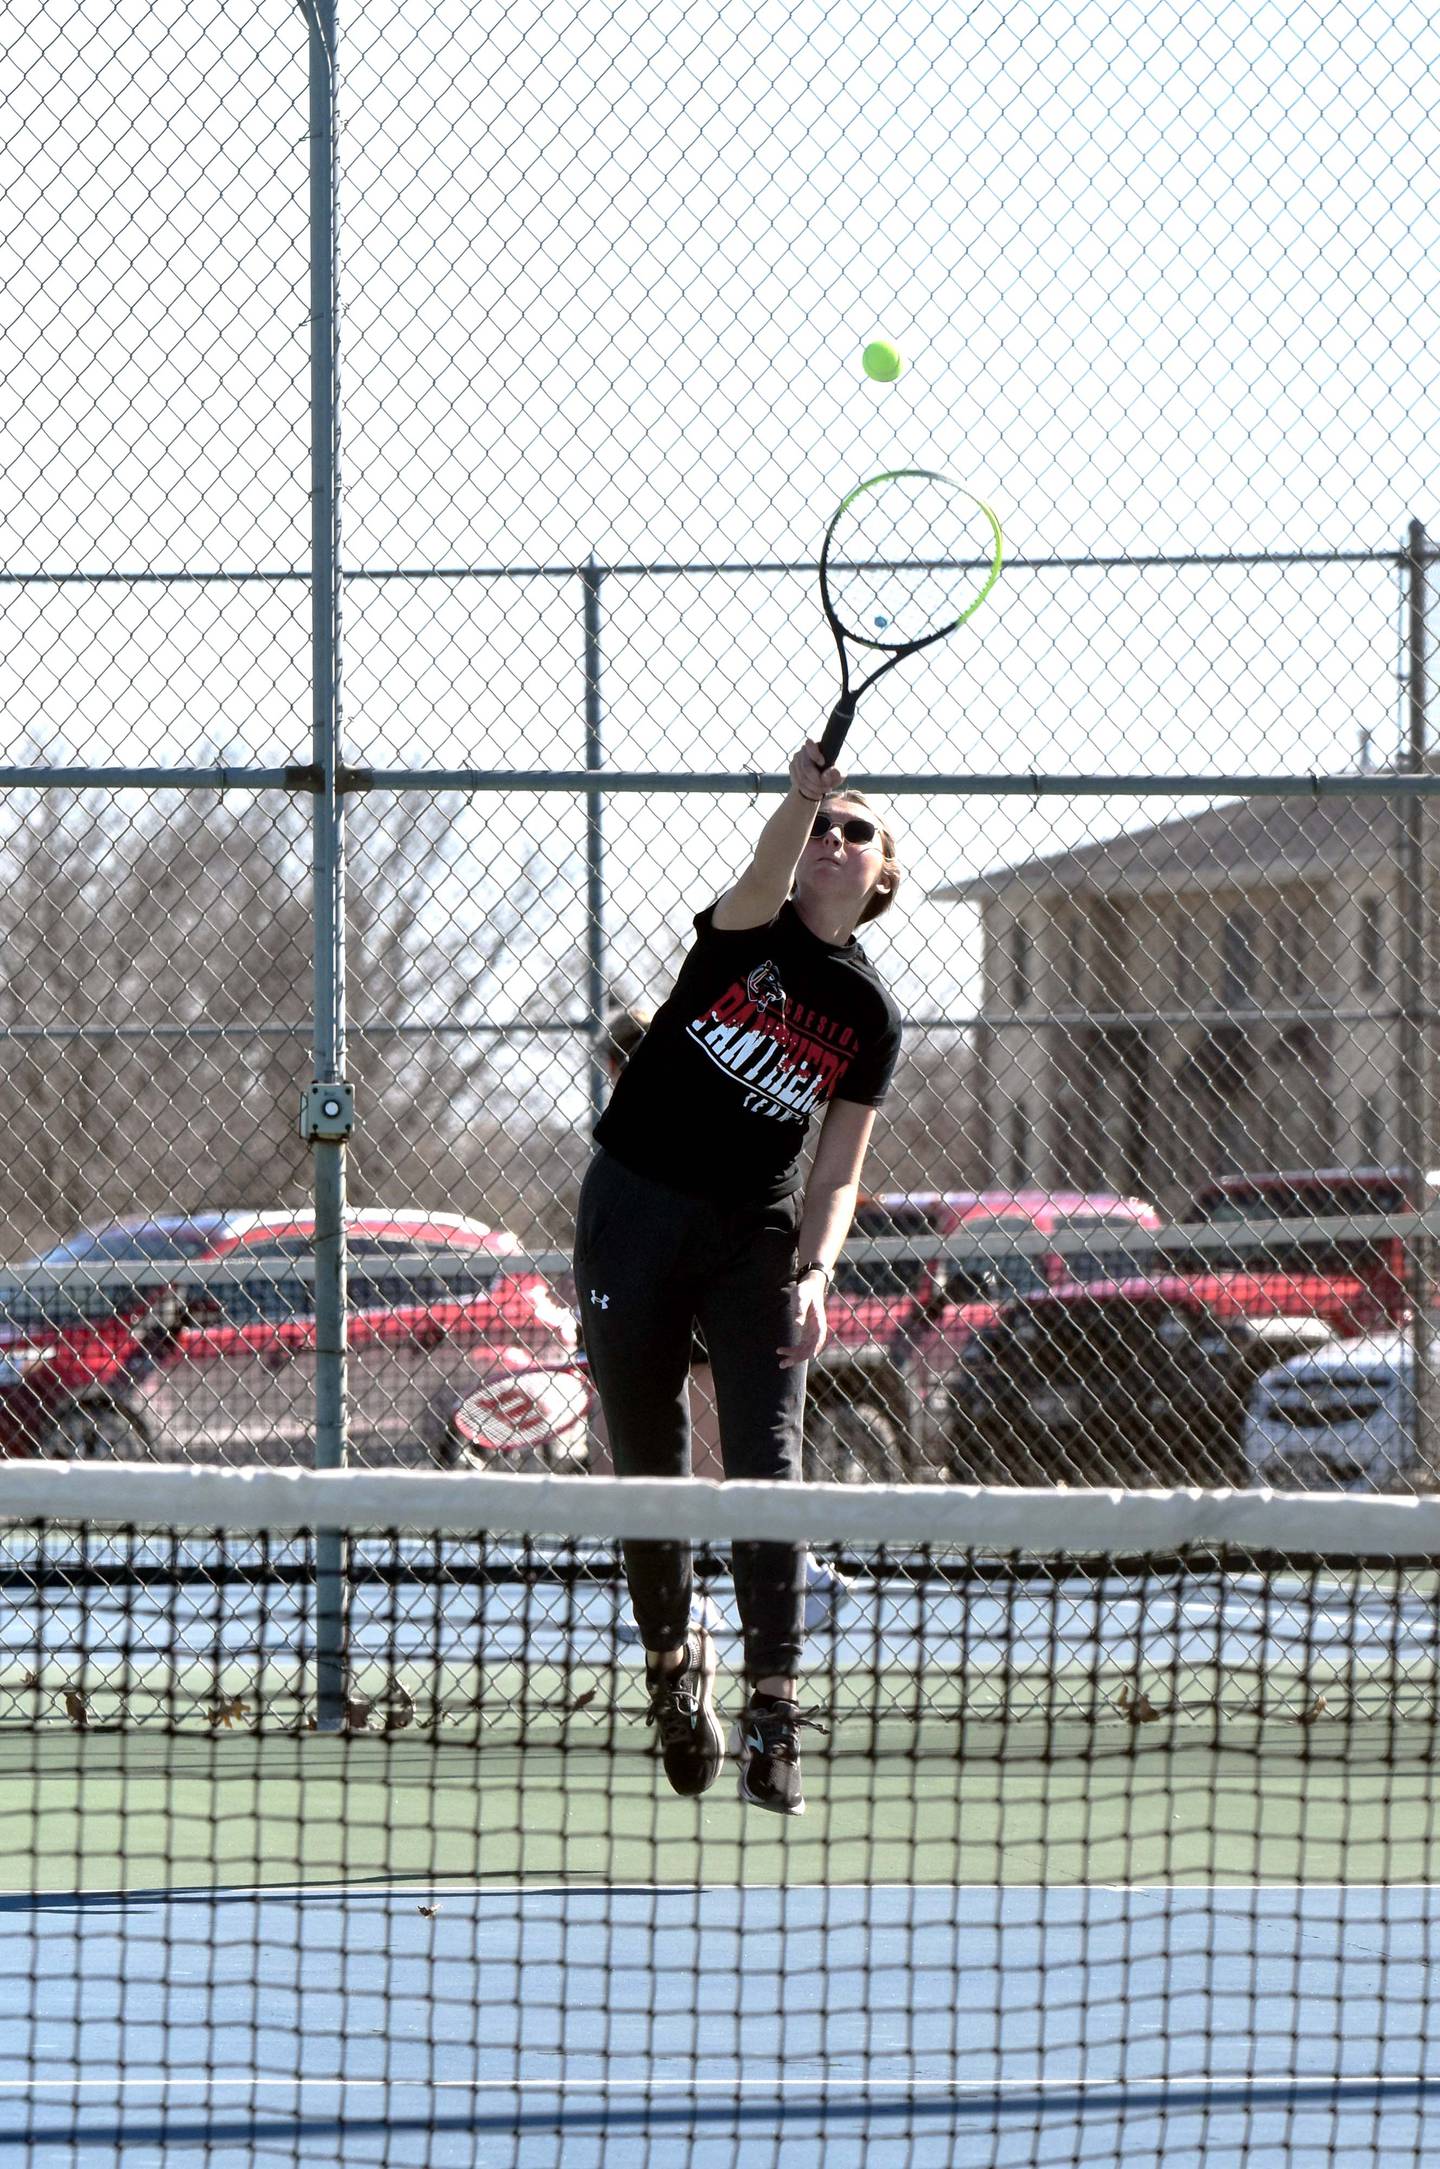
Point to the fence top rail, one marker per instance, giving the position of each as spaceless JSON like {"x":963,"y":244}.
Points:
{"x":590,"y":1029}
{"x":1086,"y":1233}
{"x":753,"y":783}
{"x":700,"y":568}
{"x":748,"y":783}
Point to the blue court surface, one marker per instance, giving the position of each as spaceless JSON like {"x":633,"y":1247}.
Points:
{"x":884,"y":2024}
{"x":1065,"y":1934}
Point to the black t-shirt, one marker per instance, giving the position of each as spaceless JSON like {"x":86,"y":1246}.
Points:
{"x":764,"y":1026}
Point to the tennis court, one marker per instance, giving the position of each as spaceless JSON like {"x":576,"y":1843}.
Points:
{"x":458,"y":462}
{"x":918,"y":2022}
{"x":1104,"y":1862}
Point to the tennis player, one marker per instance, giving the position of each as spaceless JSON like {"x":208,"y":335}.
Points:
{"x":691,"y":1212}
{"x":826,"y":1589}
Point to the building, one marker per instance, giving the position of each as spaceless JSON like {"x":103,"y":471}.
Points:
{"x":1220,"y":992}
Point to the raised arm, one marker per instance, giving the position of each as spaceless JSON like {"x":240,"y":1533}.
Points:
{"x":770,"y":876}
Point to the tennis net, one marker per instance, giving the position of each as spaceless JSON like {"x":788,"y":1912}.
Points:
{"x":1121,"y":1842}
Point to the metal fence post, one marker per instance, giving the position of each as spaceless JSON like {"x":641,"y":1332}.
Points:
{"x":594,"y":841}
{"x":329,"y":842}
{"x":1414,"y":1082}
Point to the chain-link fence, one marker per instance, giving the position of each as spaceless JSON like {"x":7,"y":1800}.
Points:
{"x":420,"y":428}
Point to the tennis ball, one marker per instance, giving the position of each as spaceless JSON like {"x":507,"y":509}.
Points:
{"x":881,"y":361}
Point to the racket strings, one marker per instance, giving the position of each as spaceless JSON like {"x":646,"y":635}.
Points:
{"x":906,"y":558}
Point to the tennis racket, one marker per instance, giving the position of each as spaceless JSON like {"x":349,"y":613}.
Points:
{"x":907,"y":558}
{"x":520,"y":1405}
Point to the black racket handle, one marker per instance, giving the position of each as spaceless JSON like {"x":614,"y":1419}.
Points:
{"x":837,"y":730}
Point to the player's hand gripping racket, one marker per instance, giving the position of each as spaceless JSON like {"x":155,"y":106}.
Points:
{"x":907,"y":558}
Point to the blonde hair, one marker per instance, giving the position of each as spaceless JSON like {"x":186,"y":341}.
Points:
{"x":879,"y":900}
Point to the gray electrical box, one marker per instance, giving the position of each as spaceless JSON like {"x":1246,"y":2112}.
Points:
{"x":327,"y":1113}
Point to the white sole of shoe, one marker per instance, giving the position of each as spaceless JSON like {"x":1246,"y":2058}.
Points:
{"x":751,"y":1799}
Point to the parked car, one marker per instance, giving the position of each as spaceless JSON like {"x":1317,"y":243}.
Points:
{"x":74,"y":1385}
{"x":1118,"y":1383}
{"x":1110,"y":1229}
{"x":899,"y":1323}
{"x":860,"y":1405}
{"x":1106,"y":1238}
{"x":1341,"y":1419}
{"x":234,"y":1379}
{"x":144,"y":1239}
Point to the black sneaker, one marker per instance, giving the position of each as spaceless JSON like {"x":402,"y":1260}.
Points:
{"x":692,"y":1745}
{"x":767,"y":1743}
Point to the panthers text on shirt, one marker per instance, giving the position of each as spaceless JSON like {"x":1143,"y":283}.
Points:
{"x":787,"y":1059}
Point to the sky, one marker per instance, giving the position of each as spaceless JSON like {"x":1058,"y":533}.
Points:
{"x":1164,"y":278}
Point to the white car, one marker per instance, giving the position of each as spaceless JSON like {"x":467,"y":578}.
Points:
{"x":1340,"y":1419}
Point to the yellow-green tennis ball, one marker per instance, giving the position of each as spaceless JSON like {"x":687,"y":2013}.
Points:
{"x":881,"y":361}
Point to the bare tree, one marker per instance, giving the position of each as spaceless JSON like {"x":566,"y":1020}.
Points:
{"x":156,"y":997}
{"x":929,"y":1135}
{"x":140,"y":946}
{"x":447,"y":1102}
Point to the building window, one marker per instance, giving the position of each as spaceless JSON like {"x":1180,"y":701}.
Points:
{"x":1065,"y":1123}
{"x":1189,"y":984}
{"x":1371,"y":1134}
{"x":1305,"y":1049}
{"x":1019,"y":965}
{"x":1291,"y":973}
{"x":1111,"y":954}
{"x":1019,"y":1148}
{"x":1134,"y":1077}
{"x":1239,"y":969}
{"x":1372,"y":937}
{"x":1072,"y":958}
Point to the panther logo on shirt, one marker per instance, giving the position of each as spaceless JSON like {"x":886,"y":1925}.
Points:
{"x":765,"y":988}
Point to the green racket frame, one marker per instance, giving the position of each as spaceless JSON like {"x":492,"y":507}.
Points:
{"x":842,"y":715}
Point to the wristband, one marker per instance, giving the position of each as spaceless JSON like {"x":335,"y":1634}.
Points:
{"x":804,"y":1271}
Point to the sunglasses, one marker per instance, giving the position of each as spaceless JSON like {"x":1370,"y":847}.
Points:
{"x":854,"y":827}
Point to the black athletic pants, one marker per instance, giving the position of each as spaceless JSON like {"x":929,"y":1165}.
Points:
{"x":650,"y":1262}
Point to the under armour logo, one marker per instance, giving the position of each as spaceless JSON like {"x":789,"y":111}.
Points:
{"x":602,"y":1302}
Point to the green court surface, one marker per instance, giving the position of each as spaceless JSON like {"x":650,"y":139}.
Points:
{"x":111,"y":1810}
